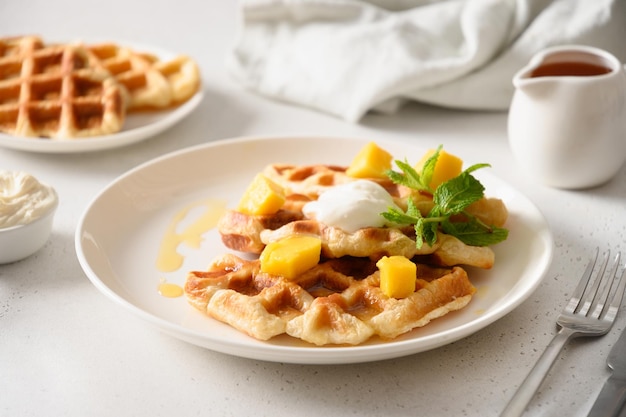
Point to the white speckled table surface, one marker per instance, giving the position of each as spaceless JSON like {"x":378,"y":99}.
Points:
{"x":67,"y":350}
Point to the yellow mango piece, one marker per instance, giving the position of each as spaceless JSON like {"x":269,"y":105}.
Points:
{"x":291,"y":256}
{"x":371,"y":162}
{"x":397,"y":276}
{"x":263,"y":196}
{"x":447,"y":167}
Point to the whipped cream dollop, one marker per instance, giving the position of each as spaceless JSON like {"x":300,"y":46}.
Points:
{"x":351,"y":206}
{"x":23,"y":198}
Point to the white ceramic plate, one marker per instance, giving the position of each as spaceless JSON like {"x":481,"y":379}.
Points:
{"x":137,"y":126}
{"x":118,"y":239}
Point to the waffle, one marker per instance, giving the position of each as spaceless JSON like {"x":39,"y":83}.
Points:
{"x":376,"y":242}
{"x":183,"y":76}
{"x":150,"y":83}
{"x":301,"y":184}
{"x":51,"y":91}
{"x":242,"y":232}
{"x":306,"y":180}
{"x":337,"y":302}
{"x":250,"y":233}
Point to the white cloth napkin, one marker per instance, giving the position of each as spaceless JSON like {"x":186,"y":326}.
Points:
{"x":347,"y":57}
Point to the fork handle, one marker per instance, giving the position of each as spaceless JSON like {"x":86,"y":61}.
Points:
{"x":529,"y":387}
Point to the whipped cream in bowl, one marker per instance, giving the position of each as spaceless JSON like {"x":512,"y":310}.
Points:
{"x":27,"y":208}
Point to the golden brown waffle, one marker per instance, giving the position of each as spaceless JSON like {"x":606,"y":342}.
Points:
{"x":242,"y":232}
{"x":51,"y":91}
{"x":301,"y":184}
{"x":376,"y":242}
{"x":338,"y":302}
{"x":150,"y":83}
{"x":183,"y":76}
{"x":312,"y":180}
{"x":250,"y":233}
{"x":307,"y":180}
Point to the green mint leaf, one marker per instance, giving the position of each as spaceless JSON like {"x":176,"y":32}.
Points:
{"x":419,"y":233}
{"x":474,"y":233}
{"x":429,"y":231}
{"x":409,"y":177}
{"x":412,"y":210}
{"x":428,"y":169}
{"x":476,"y":166}
{"x":396,"y":216}
{"x":425,"y":232}
{"x":450,"y":198}
{"x":396,"y":177}
{"x":455,"y":195}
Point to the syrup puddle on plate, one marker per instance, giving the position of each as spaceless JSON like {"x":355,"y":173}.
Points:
{"x":170,"y":290}
{"x":187,"y":227}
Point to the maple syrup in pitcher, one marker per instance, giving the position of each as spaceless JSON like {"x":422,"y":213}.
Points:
{"x":569,"y":68}
{"x":567,"y":119}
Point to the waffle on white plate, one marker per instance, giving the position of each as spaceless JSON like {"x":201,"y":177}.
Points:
{"x":151,"y":83}
{"x":78,"y":90}
{"x":338,"y":298}
{"x":337,"y":302}
{"x":251,"y":233}
{"x":52,"y":91}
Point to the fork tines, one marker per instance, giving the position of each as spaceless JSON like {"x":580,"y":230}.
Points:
{"x":603,"y":297}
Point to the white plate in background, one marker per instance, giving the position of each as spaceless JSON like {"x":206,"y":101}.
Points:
{"x":137,"y":126}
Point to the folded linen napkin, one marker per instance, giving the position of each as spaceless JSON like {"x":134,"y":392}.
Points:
{"x":347,"y":57}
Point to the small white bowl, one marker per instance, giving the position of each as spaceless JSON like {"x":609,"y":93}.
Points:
{"x":19,"y":242}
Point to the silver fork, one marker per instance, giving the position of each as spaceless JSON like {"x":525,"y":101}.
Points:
{"x":586,"y":314}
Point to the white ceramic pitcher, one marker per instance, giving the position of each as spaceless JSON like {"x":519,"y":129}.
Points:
{"x":567,"y":120}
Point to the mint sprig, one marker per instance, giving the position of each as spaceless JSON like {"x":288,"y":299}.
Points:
{"x":450,"y":198}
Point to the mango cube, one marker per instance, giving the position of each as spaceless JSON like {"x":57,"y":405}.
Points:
{"x":371,"y":162}
{"x":263,"y":196}
{"x":447,"y":167}
{"x":291,"y":256}
{"x":397,"y":276}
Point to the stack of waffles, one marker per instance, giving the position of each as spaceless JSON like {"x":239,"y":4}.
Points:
{"x":75,"y":90}
{"x":339,"y":301}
